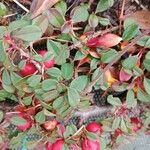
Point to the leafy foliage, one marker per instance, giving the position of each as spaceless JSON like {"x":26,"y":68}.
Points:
{"x":83,"y":50}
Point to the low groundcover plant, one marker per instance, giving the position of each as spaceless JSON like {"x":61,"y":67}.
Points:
{"x":74,"y":79}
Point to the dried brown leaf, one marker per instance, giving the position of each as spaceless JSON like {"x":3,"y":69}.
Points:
{"x":142,"y":18}
{"x":39,"y":6}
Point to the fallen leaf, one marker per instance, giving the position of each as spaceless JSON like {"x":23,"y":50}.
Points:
{"x":141,"y":18}
{"x":105,"y":41}
{"x":39,"y":6}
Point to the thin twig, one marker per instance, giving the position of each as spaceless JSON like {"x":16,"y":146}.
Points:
{"x":120,"y":53}
{"x":10,"y":15}
{"x":121,"y":16}
{"x":20,"y":5}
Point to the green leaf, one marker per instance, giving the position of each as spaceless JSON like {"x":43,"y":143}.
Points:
{"x":108,"y":56}
{"x":116,"y":123}
{"x":129,"y":62}
{"x":144,"y":41}
{"x":53,"y":47}
{"x":61,"y":7}
{"x":14,"y":78}
{"x":130,"y":32}
{"x":29,"y":33}
{"x":48,"y":56}
{"x":137,"y":71}
{"x":130,"y":99}
{"x":104,"y":21}
{"x":54,"y":72}
{"x":93,"y":21}
{"x":3,"y":31}
{"x":73,"y":97}
{"x":147,"y":85}
{"x":146,"y":64}
{"x":61,"y":52}
{"x":42,"y":22}
{"x":94,"y":63}
{"x":104,"y":5}
{"x":48,"y":96}
{"x":3,"y":9}
{"x":18,"y":121}
{"x":2,"y":52}
{"x":79,"y":83}
{"x":55,"y":18}
{"x":79,"y":55}
{"x":115,"y":101}
{"x":123,"y":126}
{"x":142,"y":96}
{"x":67,"y":71}
{"x":6,"y":77}
{"x":80,"y":14}
{"x":58,"y":103}
{"x":21,"y":64}
{"x":65,"y":147}
{"x":147,"y":56}
{"x":40,"y":117}
{"x":4,"y":94}
{"x":70,"y":130}
{"x":18,"y":24}
{"x":27,"y":100}
{"x":128,"y":22}
{"x":63,"y":55}
{"x":8,"y":88}
{"x":1,"y":115}
{"x":91,"y":136}
{"x":34,"y":80}
{"x":49,"y":84}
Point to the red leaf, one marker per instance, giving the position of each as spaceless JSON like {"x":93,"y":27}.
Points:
{"x":123,"y":76}
{"x":105,"y":41}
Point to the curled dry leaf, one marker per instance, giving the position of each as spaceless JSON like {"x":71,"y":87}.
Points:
{"x":105,"y":41}
{"x":38,"y":6}
{"x":141,"y":18}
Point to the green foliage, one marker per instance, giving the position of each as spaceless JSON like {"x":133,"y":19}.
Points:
{"x":80,"y":13}
{"x":65,"y":89}
{"x":104,"y":5}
